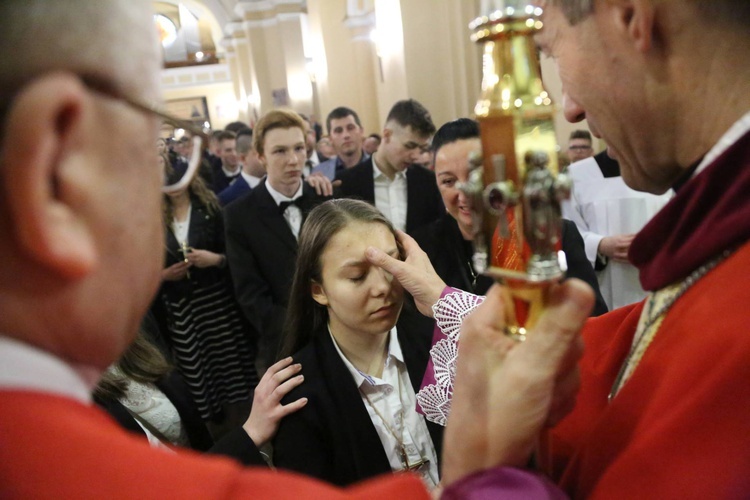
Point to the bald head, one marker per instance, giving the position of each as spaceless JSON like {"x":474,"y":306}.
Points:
{"x":81,"y":241}
{"x":87,"y":38}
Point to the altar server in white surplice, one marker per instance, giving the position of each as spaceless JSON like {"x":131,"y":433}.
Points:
{"x":608,"y":214}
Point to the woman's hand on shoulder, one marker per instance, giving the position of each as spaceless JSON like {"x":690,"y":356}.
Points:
{"x":267,"y":410}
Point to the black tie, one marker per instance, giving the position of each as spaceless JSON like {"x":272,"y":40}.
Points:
{"x":285,"y":204}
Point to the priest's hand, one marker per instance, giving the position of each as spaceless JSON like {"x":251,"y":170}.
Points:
{"x":415,"y":272}
{"x":506,"y":391}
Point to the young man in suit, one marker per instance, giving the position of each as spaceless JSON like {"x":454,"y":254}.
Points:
{"x":262,"y":228}
{"x":251,"y":174}
{"x":346,"y":135}
{"x":406,"y":193}
{"x":229,"y":171}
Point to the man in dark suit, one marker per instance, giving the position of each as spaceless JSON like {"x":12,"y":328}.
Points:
{"x":229,"y":170}
{"x":251,"y":174}
{"x":406,"y":193}
{"x":262,"y":228}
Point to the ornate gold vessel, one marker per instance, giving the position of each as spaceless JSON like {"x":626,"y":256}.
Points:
{"x":514,"y":191}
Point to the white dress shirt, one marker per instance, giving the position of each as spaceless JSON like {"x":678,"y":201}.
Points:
{"x":735,"y":132}
{"x":394,"y":398}
{"x":26,"y":368}
{"x":390,"y":196}
{"x":251,"y":180}
{"x":292,"y":214}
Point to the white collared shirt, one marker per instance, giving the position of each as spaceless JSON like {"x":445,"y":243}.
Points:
{"x":393,"y":396}
{"x":390,"y":196}
{"x":292,"y":214}
{"x":731,"y":136}
{"x":231,"y":173}
{"x":25,"y":367}
{"x":313,"y":159}
{"x":251,"y":180}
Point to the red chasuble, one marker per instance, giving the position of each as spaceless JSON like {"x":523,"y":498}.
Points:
{"x":680,"y":425}
{"x":54,"y":447}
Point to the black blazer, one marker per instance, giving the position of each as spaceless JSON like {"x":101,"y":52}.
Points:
{"x":206,"y":232}
{"x":444,"y":244}
{"x":261,"y":252}
{"x":424,"y":203}
{"x":235,"y":444}
{"x":332,"y":437}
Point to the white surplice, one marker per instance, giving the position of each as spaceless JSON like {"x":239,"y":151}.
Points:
{"x":604,"y":206}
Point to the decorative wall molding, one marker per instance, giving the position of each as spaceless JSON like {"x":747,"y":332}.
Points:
{"x":207,"y":74}
{"x":249,"y":8}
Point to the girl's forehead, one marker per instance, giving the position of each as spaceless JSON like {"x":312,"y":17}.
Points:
{"x":354,"y":238}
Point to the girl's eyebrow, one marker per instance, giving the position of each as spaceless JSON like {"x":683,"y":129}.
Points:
{"x":364,"y":262}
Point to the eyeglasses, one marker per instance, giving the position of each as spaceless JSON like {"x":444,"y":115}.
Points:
{"x":181,"y":176}
{"x":579,"y":148}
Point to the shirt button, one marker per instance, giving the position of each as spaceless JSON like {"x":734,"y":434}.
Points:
{"x":388,"y":390}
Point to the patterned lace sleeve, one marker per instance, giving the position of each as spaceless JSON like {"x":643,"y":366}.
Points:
{"x":434,"y":397}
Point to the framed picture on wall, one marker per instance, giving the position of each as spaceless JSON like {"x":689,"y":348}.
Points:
{"x":194,"y":109}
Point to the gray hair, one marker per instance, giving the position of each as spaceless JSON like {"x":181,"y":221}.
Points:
{"x":244,"y":144}
{"x":575,"y":10}
{"x":103,"y":38}
{"x":728,"y":12}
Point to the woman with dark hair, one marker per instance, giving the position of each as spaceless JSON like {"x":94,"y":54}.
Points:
{"x":362,"y":356}
{"x":449,"y":241}
{"x":211,"y":341}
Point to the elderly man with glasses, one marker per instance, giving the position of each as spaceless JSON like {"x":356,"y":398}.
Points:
{"x":81,"y":249}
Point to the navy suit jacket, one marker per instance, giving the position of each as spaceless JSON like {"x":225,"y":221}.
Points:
{"x":424,"y":203}
{"x":234,"y":191}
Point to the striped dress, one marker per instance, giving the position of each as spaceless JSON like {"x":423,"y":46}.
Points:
{"x":213,"y":345}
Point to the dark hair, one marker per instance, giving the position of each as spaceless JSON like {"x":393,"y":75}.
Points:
{"x":235,"y":126}
{"x":305,"y":316}
{"x":141,"y":362}
{"x":244,"y":143}
{"x":456,"y":130}
{"x":410,"y":113}
{"x":226,"y":135}
{"x":244,"y":131}
{"x":375,"y":136}
{"x":341,"y":112}
{"x":580,"y":134}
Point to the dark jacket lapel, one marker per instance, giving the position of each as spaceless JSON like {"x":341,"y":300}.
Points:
{"x":272,"y":218}
{"x":358,"y":442}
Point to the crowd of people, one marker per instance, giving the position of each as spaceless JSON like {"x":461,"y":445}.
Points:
{"x":282,"y":306}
